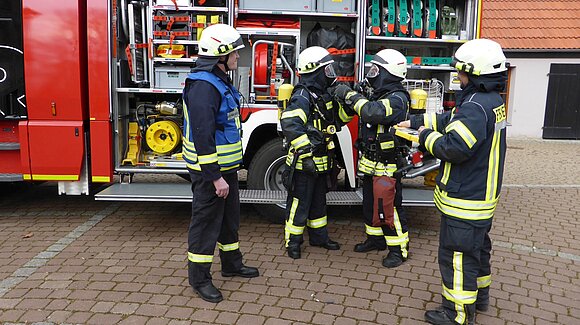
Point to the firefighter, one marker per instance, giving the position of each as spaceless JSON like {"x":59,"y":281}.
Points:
{"x":309,"y":124}
{"x":212,"y":149}
{"x":387,"y":105}
{"x":470,"y":140}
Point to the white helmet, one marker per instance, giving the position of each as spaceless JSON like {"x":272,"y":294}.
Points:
{"x":480,"y":57}
{"x":313,"y":58}
{"x":392,"y":60}
{"x":219,"y":39}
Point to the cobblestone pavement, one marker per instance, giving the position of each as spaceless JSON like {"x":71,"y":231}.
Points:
{"x":74,"y":260}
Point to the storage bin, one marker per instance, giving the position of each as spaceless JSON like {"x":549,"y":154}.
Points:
{"x":278,"y":5}
{"x":336,"y":6}
{"x":171,"y":77}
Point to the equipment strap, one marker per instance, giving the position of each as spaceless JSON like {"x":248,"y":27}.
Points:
{"x":273,"y":69}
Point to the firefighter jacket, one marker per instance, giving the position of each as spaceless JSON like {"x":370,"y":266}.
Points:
{"x":212,"y":130}
{"x":377,"y":115}
{"x":309,"y":123}
{"x":470,"y":140}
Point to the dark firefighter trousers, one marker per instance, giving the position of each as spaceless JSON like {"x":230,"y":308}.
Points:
{"x":306,"y":207}
{"x":464,"y":263}
{"x":213,"y":220}
{"x":397,"y":238}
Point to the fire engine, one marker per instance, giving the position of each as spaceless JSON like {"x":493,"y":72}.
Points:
{"x":90,"y":91}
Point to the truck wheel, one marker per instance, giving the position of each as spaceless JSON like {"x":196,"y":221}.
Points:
{"x":265,"y":173}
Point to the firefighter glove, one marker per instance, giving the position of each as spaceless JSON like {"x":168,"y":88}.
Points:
{"x":339,"y":91}
{"x":308,"y":166}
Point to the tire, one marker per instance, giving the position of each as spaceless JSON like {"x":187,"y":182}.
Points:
{"x":265,"y":173}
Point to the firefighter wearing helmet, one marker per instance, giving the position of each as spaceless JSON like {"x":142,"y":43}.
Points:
{"x":309,"y":123}
{"x":470,"y":140}
{"x":212,"y":149}
{"x":387,"y":105}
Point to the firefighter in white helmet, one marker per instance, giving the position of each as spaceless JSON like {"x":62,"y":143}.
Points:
{"x":470,"y":140}
{"x":212,"y":149}
{"x":388,"y":104}
{"x":309,"y":124}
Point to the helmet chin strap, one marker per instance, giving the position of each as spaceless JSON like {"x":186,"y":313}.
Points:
{"x":225,"y":62}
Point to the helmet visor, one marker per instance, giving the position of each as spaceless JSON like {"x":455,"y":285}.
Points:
{"x":329,"y":71}
{"x":224,"y":49}
{"x":373,"y":72}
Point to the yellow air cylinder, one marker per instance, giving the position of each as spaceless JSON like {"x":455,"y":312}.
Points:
{"x":418,"y":99}
{"x":284,"y":94}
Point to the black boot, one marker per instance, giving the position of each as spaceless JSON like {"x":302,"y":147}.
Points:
{"x":369,"y":245}
{"x":439,"y":317}
{"x":244,"y":272}
{"x":209,"y":293}
{"x":331,"y":245}
{"x":483,"y":307}
{"x":293,"y":251}
{"x":393,"y":259}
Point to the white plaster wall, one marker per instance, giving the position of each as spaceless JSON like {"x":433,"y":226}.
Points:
{"x":528,"y":93}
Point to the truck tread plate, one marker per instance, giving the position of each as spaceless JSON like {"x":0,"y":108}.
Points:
{"x":160,"y":192}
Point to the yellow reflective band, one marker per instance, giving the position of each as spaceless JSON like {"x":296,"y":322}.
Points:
{"x":373,"y":231}
{"x":387,"y":145}
{"x":484,"y":281}
{"x":317,"y":223}
{"x":459,"y":297}
{"x":199,"y":258}
{"x":463,"y":132}
{"x":465,"y":204}
{"x":359,"y":104}
{"x":342,"y":114}
{"x":462,"y":214}
{"x":370,"y":167}
{"x":446,"y":172}
{"x":294,"y":113}
{"x":294,"y":230}
{"x":230,"y":147}
{"x":430,"y":141}
{"x":289,"y":227}
{"x":493,"y":167}
{"x":225,"y":160}
{"x":37,"y":177}
{"x":207,"y":159}
{"x":329,"y":105}
{"x":300,"y":142}
{"x":229,"y":247}
{"x":397,"y":240}
{"x":26,"y":177}
{"x":101,"y":179}
{"x":388,"y":109}
{"x":458,"y":271}
{"x":430,"y":121}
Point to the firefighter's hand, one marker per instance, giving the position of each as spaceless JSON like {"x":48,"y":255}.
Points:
{"x":405,"y":124}
{"x":222,"y":189}
{"x":308,"y":166}
{"x":339,"y":91}
{"x":421,"y":129}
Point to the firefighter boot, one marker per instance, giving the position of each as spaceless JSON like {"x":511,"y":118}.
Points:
{"x":331,"y":245}
{"x":370,"y":245}
{"x":244,"y":272}
{"x":394,"y":258}
{"x":440,"y":317}
{"x":293,"y":250}
{"x":209,"y":292}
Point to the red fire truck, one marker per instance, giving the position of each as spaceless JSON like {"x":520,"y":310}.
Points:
{"x":90,"y":91}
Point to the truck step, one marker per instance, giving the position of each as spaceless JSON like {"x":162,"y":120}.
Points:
{"x":9,"y":146}
{"x":163,"y":192}
{"x":9,"y":177}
